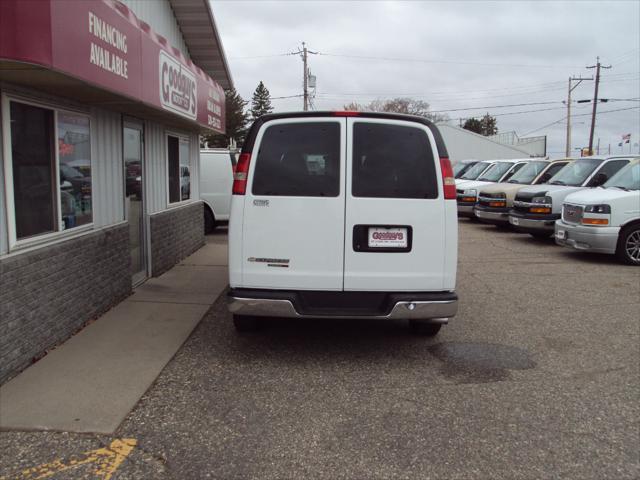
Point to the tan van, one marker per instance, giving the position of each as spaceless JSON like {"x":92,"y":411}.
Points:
{"x":495,"y":201}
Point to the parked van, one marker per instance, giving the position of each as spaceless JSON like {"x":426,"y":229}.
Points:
{"x":495,"y":201}
{"x":499,"y":171}
{"x":605,"y":220}
{"x":475,"y":171}
{"x":536,"y":208}
{"x":462,"y":166}
{"x":343,"y":214}
{"x":216,"y":179}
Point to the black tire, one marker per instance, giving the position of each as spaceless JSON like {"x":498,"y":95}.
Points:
{"x":541,"y":235}
{"x":209,"y":221}
{"x":424,"y":327}
{"x":245,"y":323}
{"x":628,"y":249}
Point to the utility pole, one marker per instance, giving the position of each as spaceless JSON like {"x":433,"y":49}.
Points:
{"x":567,"y":150}
{"x":305,"y":74}
{"x":597,"y":66}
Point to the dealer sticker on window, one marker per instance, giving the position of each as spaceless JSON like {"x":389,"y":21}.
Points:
{"x":388,"y":237}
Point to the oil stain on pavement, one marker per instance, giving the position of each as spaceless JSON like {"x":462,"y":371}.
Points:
{"x":469,"y":362}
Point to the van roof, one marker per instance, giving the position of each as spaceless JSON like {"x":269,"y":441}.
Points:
{"x":255,"y":127}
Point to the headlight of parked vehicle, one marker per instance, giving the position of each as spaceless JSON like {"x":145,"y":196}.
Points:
{"x":546,"y":199}
{"x":597,"y":209}
{"x":498,"y":200}
{"x":545,"y":203}
{"x":469,"y":195}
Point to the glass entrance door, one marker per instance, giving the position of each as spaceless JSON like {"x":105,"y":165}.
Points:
{"x":133,"y":198}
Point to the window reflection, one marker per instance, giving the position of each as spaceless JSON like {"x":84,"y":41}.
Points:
{"x":74,"y":153}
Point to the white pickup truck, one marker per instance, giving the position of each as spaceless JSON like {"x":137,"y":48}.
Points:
{"x":605,"y":220}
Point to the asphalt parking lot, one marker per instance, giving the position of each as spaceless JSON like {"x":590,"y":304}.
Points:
{"x":537,"y":377}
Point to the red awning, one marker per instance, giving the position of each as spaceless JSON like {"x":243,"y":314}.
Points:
{"x":98,"y":51}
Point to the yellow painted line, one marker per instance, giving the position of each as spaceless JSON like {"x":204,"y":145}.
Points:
{"x":106,"y":461}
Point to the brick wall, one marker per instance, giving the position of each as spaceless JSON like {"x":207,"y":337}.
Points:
{"x":175,"y":234}
{"x":48,"y":293}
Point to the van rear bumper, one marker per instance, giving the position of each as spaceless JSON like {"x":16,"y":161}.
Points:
{"x":308,"y":304}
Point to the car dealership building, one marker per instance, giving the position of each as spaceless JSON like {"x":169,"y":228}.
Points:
{"x":102,"y":105}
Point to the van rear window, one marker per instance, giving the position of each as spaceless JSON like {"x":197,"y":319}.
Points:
{"x":392,"y":161}
{"x":299,"y":159}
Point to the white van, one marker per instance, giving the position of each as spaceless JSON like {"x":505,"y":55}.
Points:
{"x":343,"y":214}
{"x":605,"y":220}
{"x":216,"y":179}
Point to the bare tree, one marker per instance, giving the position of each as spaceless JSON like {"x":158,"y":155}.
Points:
{"x":408,"y":106}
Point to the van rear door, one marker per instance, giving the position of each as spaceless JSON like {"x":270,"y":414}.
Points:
{"x":395,"y":226}
{"x":293,"y":231}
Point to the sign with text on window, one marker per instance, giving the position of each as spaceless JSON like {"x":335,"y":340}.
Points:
{"x":74,"y":154}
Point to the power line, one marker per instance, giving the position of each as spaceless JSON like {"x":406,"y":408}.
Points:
{"x":618,"y":59}
{"x":450,"y":92}
{"x":287,"y":96}
{"x":434,"y":98}
{"x":494,"y":106}
{"x":579,"y":115}
{"x":608,"y":111}
{"x":452,"y":62}
{"x":262,"y":56}
{"x":547,"y":125}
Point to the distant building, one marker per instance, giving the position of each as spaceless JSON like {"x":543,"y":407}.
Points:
{"x":536,"y":146}
{"x":464,"y":144}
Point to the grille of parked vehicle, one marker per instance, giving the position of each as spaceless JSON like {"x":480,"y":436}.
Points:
{"x":495,"y":200}
{"x":571,"y":213}
{"x":521,"y":206}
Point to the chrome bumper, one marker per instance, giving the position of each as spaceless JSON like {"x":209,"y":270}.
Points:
{"x":532,"y":224}
{"x":466,"y":210}
{"x":587,"y":239}
{"x":498,"y":217}
{"x":437,"y":311}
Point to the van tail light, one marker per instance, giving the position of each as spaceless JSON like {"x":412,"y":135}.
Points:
{"x":346,"y":113}
{"x":240,"y":174}
{"x":448,"y":180}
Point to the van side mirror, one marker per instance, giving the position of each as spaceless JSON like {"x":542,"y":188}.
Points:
{"x":598,"y":180}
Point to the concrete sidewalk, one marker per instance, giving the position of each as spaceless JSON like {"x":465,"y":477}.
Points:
{"x":92,"y":381}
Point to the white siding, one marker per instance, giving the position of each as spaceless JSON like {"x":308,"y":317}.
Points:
{"x":108,"y":171}
{"x":159,"y":15}
{"x":462,"y":144}
{"x":155,"y":167}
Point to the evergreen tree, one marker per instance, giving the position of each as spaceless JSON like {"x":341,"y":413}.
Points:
{"x":486,"y":126}
{"x":473,"y":125}
{"x":489,"y":125}
{"x":261,"y":102}
{"x":236,"y":120}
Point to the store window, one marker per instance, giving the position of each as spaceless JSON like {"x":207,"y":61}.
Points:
{"x":74,"y":153}
{"x":179,"y":172}
{"x":51,"y":183}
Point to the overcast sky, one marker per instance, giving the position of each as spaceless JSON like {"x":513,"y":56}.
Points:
{"x":454,"y":55}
